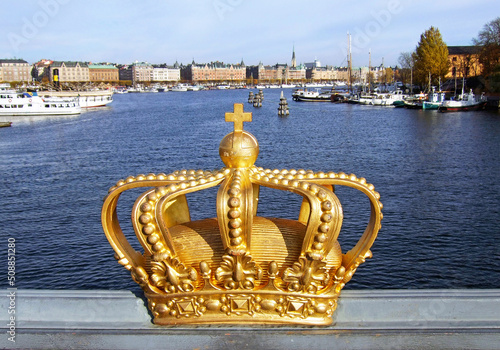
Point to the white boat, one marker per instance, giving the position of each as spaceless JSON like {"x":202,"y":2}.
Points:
{"x":304,"y":95}
{"x":388,"y":99}
{"x":195,"y":88}
{"x":86,"y":99}
{"x":315,"y":85}
{"x":223,"y":87}
{"x":284,"y":86}
{"x":180,"y":87}
{"x":26,"y":104}
{"x":133,"y":90}
{"x":365,"y":99}
{"x":465,"y":102}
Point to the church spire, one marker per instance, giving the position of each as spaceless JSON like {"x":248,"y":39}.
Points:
{"x":294,"y":61}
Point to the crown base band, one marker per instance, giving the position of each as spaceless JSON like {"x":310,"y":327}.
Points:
{"x":242,"y":307}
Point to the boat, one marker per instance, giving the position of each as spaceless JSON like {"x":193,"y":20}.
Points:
{"x":304,"y":95}
{"x":465,"y":102}
{"x":180,"y":87}
{"x":86,"y":99}
{"x":134,"y":90}
{"x":434,"y":100}
{"x":29,"y":103}
{"x":365,"y":99}
{"x":415,"y":101}
{"x":389,"y":99}
{"x":340,"y":96}
{"x":5,"y":124}
{"x":223,"y":87}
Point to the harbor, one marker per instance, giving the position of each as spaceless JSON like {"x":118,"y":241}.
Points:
{"x":436,"y":172}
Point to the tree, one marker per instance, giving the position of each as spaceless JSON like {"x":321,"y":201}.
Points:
{"x":431,"y":57}
{"x":406,"y":61}
{"x":387,"y":76}
{"x":489,"y":41}
{"x":34,"y":74}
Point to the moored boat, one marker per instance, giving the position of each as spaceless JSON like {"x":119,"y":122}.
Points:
{"x":434,"y":101}
{"x":86,"y":99}
{"x":465,"y":102}
{"x":25,"y":104}
{"x":304,"y":95}
{"x":389,"y":99}
{"x":180,"y":87}
{"x":415,"y":101}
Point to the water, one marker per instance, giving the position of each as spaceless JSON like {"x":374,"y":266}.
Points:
{"x":437,"y":174}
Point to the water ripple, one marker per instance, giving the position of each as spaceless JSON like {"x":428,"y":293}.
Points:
{"x":438,"y":176}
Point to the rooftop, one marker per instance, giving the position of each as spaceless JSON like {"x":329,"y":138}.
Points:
{"x":101,"y":66}
{"x":463,"y":50}
{"x":12,"y":60}
{"x":68,"y":64}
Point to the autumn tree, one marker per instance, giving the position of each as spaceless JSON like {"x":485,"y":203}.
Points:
{"x":489,"y":55}
{"x":431,"y":57}
{"x":387,"y":76}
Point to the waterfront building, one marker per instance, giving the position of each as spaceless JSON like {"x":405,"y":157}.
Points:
{"x":167,"y":74}
{"x":263,"y":74}
{"x":278,"y":73}
{"x":316,"y":73}
{"x":214,"y":73}
{"x":142,"y":72}
{"x":311,"y":65}
{"x":69,"y":72}
{"x":125,"y":73}
{"x":14,"y":70}
{"x":464,"y":61}
{"x":295,"y":74}
{"x":103,"y":73}
{"x":42,"y":70}
{"x":362,"y":74}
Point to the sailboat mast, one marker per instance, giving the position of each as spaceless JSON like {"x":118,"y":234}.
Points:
{"x":370,"y":70}
{"x":349,"y":61}
{"x":430,"y":82}
{"x":411,"y":80}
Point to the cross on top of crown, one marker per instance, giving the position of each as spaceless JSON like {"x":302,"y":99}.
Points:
{"x":238,"y":117}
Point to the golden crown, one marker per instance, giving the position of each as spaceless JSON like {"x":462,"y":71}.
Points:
{"x":239,"y":267}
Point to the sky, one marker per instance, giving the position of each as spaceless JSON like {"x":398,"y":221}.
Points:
{"x":164,"y":31}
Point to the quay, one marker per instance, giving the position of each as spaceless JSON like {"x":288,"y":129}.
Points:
{"x":364,"y":319}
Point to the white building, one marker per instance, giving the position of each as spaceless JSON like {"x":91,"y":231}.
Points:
{"x":166,"y":74}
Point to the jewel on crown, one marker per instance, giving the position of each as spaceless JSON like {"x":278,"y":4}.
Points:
{"x":239,"y":268}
